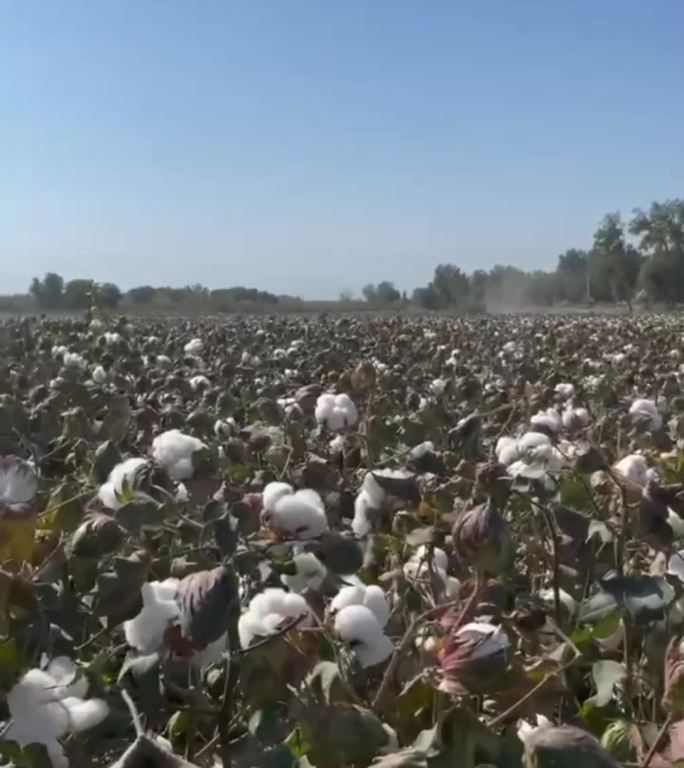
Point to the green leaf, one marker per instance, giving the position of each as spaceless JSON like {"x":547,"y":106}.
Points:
{"x":10,"y":663}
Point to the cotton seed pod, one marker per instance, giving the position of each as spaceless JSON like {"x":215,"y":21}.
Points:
{"x":481,"y":539}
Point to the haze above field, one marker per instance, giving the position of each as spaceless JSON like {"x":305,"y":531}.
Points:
{"x":306,"y":147}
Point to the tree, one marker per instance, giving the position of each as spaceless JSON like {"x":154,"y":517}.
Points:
{"x":79,"y":294}
{"x":369,"y":292}
{"x":614,"y":265}
{"x":346,"y":295}
{"x":143,"y":294}
{"x":451,"y":286}
{"x":386,"y":293}
{"x":572,"y":275}
{"x":49,"y":291}
{"x":661,"y":233}
{"x":109,"y":295}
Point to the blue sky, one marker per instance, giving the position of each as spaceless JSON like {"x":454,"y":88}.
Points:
{"x":306,"y":146}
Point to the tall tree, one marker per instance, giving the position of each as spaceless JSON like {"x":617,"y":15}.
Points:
{"x":614,"y":264}
{"x":661,"y":234}
{"x":572,"y":275}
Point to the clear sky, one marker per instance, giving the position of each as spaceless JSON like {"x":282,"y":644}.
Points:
{"x":305,"y":146}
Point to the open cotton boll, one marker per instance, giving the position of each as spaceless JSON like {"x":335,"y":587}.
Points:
{"x":372,"y":597}
{"x":121,"y":483}
{"x":438,"y":386}
{"x":160,"y":610}
{"x":111,"y":338}
{"x":18,"y":481}
{"x":295,"y":513}
{"x":310,"y":573}
{"x":43,"y":710}
{"x":422,"y":449}
{"x":634,"y":469}
{"x":199,"y":382}
{"x":225,"y":428}
{"x":73,"y":361}
{"x":526,"y":730}
{"x":417,"y":568}
{"x":269,"y":611}
{"x":194,"y":347}
{"x":336,"y":412}
{"x":564,"y":390}
{"x":361,"y":523}
{"x":69,"y":677}
{"x":549,"y":419}
{"x":507,"y":450}
{"x":646,"y":411}
{"x":99,"y":374}
{"x":575,"y":418}
{"x":173,"y":451}
{"x":357,"y":626}
{"x":566,"y":599}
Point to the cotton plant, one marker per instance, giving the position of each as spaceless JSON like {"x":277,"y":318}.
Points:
{"x":122,"y":484}
{"x":297,"y":514}
{"x":199,"y":383}
{"x":174,"y":450}
{"x":426,"y":561}
{"x":372,"y":496}
{"x":271,"y":611}
{"x":46,"y":705}
{"x":357,"y":626}
{"x":336,"y":412}
{"x":309,"y":573}
{"x":635,"y":470}
{"x":194,"y":347}
{"x":370,"y":596}
{"x":532,"y":456}
{"x":646,"y":412}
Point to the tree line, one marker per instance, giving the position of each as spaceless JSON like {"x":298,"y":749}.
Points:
{"x":639,"y":259}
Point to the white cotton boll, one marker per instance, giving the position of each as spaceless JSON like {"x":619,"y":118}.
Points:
{"x":526,"y":730}
{"x":336,"y":412}
{"x":269,"y":611}
{"x":160,"y":610}
{"x":549,"y":419}
{"x":574,"y":418}
{"x":68,"y":676}
{"x":99,"y":374}
{"x":18,"y":481}
{"x":437,"y":387}
{"x":297,"y":513}
{"x":194,"y":347}
{"x":85,"y":714}
{"x":509,"y":346}
{"x":647,"y":411}
{"x":310,"y":573}
{"x":182,"y":494}
{"x":41,"y":711}
{"x":173,"y":451}
{"x":675,"y":566}
{"x":564,"y":390}
{"x":123,"y":474}
{"x":566,"y":599}
{"x":491,"y":639}
{"x":73,"y":361}
{"x":357,"y":626}
{"x":372,"y":597}
{"x":199,"y":382}
{"x":273,"y":492}
{"x":337,"y":444}
{"x":111,"y":338}
{"x":418,"y":451}
{"x":634,"y":469}
{"x":418,"y":568}
{"x":59,"y":350}
{"x":163,"y":361}
{"x":507,"y":450}
{"x":361,"y":522}
{"x":279,"y":354}
{"x":96,"y":325}
{"x":533,"y":442}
